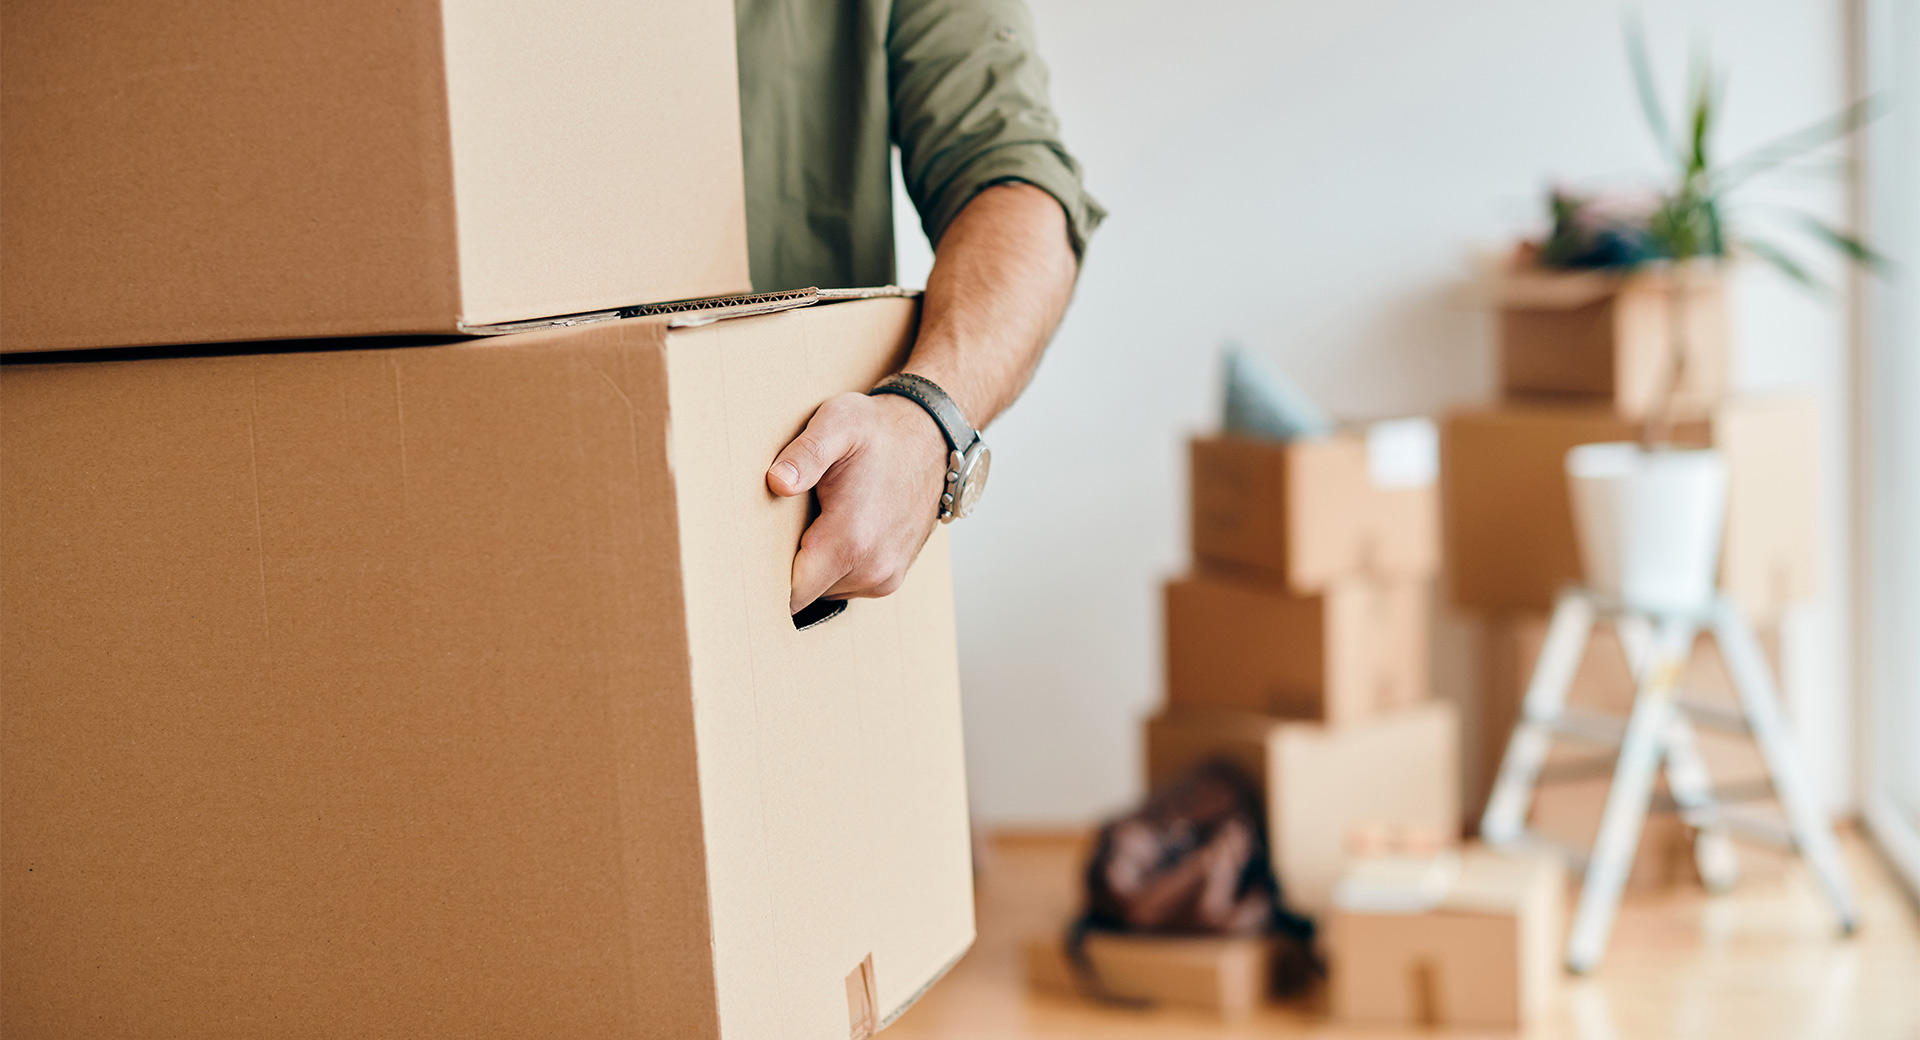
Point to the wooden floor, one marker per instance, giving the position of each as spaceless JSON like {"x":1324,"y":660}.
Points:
{"x":1762,"y":962}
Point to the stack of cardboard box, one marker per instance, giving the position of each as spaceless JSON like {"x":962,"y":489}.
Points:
{"x":1297,"y":649}
{"x":436,"y":687}
{"x":1583,"y":359}
{"x":1297,"y":646}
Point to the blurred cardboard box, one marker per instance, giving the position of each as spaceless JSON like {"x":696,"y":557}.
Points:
{"x":1509,"y":527}
{"x":456,"y":685}
{"x":1595,"y":338}
{"x":307,"y":170}
{"x":1481,"y":948}
{"x":1308,"y":512}
{"x":1568,"y":810}
{"x":1228,"y":975}
{"x":1321,"y":783}
{"x":1356,"y":650}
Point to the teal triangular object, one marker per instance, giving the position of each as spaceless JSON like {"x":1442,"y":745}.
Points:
{"x":1262,"y":402}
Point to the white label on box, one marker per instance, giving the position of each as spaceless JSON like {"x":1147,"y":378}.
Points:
{"x":1397,"y":884}
{"x":1403,"y":453}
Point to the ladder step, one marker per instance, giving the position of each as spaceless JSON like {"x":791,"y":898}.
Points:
{"x":1744,"y":826}
{"x":1531,"y":840}
{"x":1571,"y":770}
{"x":1713,"y":716}
{"x":1588,"y":727}
{"x":1745,"y":791}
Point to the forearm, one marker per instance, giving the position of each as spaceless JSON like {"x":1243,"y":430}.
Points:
{"x":1002,"y":276}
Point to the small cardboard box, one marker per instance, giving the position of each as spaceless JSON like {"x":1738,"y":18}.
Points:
{"x":197,"y":171}
{"x":1597,"y":338}
{"x":451,"y":691}
{"x":1227,"y":975}
{"x":1568,"y":810}
{"x":1356,"y":650}
{"x":1321,"y":783}
{"x":1509,"y":526}
{"x":1484,"y":954}
{"x":1308,"y":512}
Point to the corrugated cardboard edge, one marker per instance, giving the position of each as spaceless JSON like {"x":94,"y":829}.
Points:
{"x":694,"y":313}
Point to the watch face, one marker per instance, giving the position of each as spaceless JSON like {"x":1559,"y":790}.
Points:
{"x":974,"y":480}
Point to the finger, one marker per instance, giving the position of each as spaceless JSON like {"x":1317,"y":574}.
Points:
{"x":872,"y":576}
{"x":827,"y":439}
{"x":825,"y":557}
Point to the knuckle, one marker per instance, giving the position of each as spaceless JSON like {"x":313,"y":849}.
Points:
{"x":811,"y":448}
{"x":850,"y":554}
{"x":838,"y":413}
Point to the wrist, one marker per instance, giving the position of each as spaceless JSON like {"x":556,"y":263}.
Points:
{"x":967,"y":458}
{"x":916,"y":427}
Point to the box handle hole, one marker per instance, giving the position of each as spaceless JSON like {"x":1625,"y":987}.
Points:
{"x":819,"y":612}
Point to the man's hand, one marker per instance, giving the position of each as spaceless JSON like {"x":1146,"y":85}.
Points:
{"x":879,"y":464}
{"x":1002,"y":273}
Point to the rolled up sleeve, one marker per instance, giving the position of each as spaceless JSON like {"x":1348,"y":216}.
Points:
{"x":970,"y":110}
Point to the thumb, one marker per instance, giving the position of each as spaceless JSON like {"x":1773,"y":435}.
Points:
{"x":827,"y":439}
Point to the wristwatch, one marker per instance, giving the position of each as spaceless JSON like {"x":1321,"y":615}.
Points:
{"x":967,"y":455}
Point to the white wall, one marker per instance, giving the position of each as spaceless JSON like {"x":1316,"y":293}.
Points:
{"x":1313,"y":179}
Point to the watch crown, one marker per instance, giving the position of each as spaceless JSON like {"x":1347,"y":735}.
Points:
{"x":946,"y":499}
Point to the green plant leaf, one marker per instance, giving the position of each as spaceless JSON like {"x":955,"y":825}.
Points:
{"x":1817,"y":167}
{"x":1701,"y":76}
{"x":1786,"y":264}
{"x":1849,"y":245}
{"x":1790,"y":146}
{"x":1643,"y":82}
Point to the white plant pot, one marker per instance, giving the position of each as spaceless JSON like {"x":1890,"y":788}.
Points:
{"x":1649,"y":523}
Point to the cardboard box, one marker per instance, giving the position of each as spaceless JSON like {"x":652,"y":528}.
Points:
{"x":1308,"y":512}
{"x":1568,"y":810}
{"x":1227,"y":975}
{"x":450,"y":691}
{"x":1485,"y":954}
{"x":1322,"y":783}
{"x":1600,"y":339}
{"x":1357,"y":650}
{"x":1509,"y":528}
{"x":193,"y":171}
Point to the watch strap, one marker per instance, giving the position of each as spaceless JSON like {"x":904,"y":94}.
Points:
{"x":923,"y":391}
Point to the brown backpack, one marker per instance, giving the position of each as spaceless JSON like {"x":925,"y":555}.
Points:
{"x":1191,"y":861}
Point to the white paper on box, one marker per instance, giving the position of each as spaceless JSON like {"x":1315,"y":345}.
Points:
{"x":1403,"y":453}
{"x":1397,"y":884}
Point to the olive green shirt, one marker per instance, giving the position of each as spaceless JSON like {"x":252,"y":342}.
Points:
{"x":827,"y":85}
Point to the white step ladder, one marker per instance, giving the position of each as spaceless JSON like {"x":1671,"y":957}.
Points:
{"x":1659,"y":733}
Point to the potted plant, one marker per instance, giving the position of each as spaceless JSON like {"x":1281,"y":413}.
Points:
{"x":1649,"y":515}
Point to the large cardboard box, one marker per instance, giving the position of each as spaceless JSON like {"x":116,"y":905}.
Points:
{"x":1227,"y":975}
{"x":191,"y":171}
{"x":1509,"y":527}
{"x":1597,"y":338}
{"x":1321,"y":783}
{"x":1308,"y":512}
{"x":1356,"y":650}
{"x":1486,"y":954}
{"x":450,"y":691}
{"x":1567,"y":810}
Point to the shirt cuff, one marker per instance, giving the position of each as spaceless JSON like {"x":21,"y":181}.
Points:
{"x":1034,"y":163}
